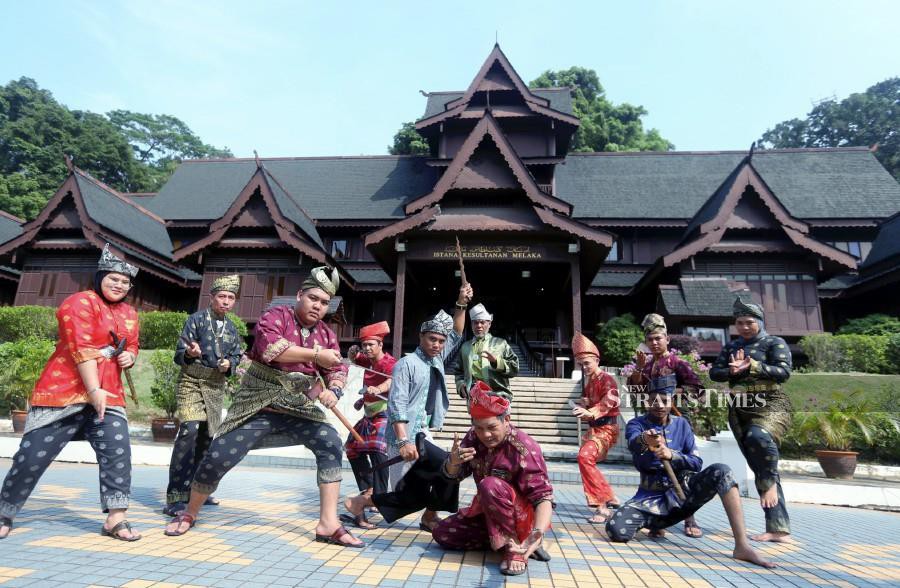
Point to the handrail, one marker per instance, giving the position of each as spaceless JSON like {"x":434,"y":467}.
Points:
{"x":535,"y":360}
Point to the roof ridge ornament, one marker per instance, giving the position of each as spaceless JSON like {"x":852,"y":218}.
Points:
{"x":70,"y":165}
{"x":259,"y":164}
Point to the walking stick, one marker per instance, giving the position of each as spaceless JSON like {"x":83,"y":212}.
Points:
{"x":668,"y":467}
{"x":119,"y":345}
{"x":462,"y":267}
{"x":340,"y":416}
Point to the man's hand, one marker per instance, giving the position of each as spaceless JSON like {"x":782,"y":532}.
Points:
{"x":739,"y":363}
{"x":373,"y":390}
{"x":461,"y":389}
{"x":327,"y":398}
{"x":358,"y":404}
{"x":408,"y":452}
{"x":193,"y":350}
{"x":224,"y":366}
{"x":328,"y":358}
{"x":460,"y":455}
{"x":98,"y":398}
{"x":581,"y":412}
{"x":529,"y":545}
{"x":353,"y":352}
{"x":465,"y":294}
{"x":663,"y":452}
{"x":640,"y":361}
{"x":490,"y":357}
{"x":125,"y":359}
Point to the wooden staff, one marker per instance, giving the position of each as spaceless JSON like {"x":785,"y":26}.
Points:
{"x":340,"y":415}
{"x":462,"y":267}
{"x":668,"y":467}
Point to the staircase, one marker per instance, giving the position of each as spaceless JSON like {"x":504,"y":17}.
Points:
{"x":540,"y":407}
{"x":524,"y":365}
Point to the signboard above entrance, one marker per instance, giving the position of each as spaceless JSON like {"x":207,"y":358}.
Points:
{"x":432,"y":250}
{"x":494,"y":252}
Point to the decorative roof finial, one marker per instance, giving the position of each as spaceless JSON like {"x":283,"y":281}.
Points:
{"x":69,"y":164}
{"x":258,"y":162}
{"x":752,"y":149}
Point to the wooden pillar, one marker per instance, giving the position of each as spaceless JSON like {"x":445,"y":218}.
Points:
{"x":576,"y":293}
{"x":399,"y":292}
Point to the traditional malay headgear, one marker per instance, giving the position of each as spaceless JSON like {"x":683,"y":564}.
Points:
{"x":230,"y":283}
{"x":110,"y":263}
{"x":581,"y":345}
{"x":653,"y":322}
{"x":483,"y":404}
{"x":663,"y":384}
{"x":378,"y":332}
{"x":318,"y":278}
{"x":441,"y":323}
{"x":480,"y":313}
{"x":751,"y":309}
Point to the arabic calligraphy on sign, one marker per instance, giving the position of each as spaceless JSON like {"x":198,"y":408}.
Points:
{"x":488,"y":252}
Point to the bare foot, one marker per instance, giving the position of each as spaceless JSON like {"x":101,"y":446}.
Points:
{"x":774,"y":537}
{"x":4,"y":531}
{"x":355,"y":505}
{"x":749,"y":555}
{"x":429,"y":521}
{"x":657,"y":534}
{"x":517,"y":566}
{"x":346,"y":538}
{"x":769,"y":498}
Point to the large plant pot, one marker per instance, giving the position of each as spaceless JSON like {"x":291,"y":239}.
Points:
{"x":18,"y":420}
{"x":164,"y":429}
{"x":837,"y":464}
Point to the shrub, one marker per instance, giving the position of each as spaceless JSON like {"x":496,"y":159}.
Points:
{"x":161,"y":329}
{"x":865,"y":353}
{"x":22,"y":361}
{"x":239,"y":324}
{"x":618,"y":340}
{"x":824,"y":353}
{"x":20,"y":322}
{"x":873,"y":324}
{"x":165,"y":381}
{"x":892,"y":352}
{"x":684,"y":344}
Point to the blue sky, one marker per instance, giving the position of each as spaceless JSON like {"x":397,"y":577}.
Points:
{"x":338,"y":78}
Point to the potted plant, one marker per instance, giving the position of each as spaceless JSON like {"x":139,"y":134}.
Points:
{"x":162,"y":395}
{"x":22,"y":361}
{"x":841,"y":426}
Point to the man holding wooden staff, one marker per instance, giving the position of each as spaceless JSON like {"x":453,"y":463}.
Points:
{"x":672,"y":485}
{"x":296,"y":361}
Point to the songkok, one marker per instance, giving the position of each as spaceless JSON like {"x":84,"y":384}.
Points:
{"x":483,"y":404}
{"x":441,"y":323}
{"x":110,"y":263}
{"x":742,"y":308}
{"x":581,"y":345}
{"x":318,"y":278}
{"x":378,"y":331}
{"x":230,"y":283}
{"x":653,"y":322}
{"x":480,"y":313}
{"x":663,"y":384}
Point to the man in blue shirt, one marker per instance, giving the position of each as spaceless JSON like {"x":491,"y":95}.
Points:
{"x":659,"y":437}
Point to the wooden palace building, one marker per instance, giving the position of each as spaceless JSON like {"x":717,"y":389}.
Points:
{"x":553,"y":241}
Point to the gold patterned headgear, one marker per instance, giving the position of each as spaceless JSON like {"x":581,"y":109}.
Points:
{"x":653,"y":322}
{"x":319,"y":278}
{"x":230,"y":283}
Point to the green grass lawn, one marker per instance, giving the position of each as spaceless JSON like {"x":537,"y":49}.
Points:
{"x":826,"y":386}
{"x":142,"y":374}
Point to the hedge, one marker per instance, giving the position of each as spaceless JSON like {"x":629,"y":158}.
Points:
{"x":161,"y":329}
{"x":875,"y":354}
{"x":22,"y":361}
{"x":618,"y":339}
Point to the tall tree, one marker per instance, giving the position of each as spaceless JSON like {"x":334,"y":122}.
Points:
{"x":604,"y":125}
{"x":870,"y":118}
{"x":161,"y":142}
{"x":408,"y":141}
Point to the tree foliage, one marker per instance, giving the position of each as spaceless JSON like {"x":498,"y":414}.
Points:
{"x":37,"y":132}
{"x":604,"y":126}
{"x":408,"y":141}
{"x":870,"y":118}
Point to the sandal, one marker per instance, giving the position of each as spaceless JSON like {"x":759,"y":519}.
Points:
{"x":657,"y":533}
{"x":114,"y":532}
{"x":693,"y":534}
{"x":601,"y":515}
{"x":5,"y":522}
{"x":170,"y":510}
{"x":511,"y":557}
{"x":182,"y":517}
{"x":359,"y":521}
{"x":430,"y":529}
{"x":211,"y":501}
{"x":335,"y":538}
{"x":540,"y":554}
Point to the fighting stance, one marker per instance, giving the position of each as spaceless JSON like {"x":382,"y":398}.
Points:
{"x":208,"y":351}
{"x":365,"y":456}
{"x":485,"y":358}
{"x":756,"y":365}
{"x":662,"y":362}
{"x":512,"y":507}
{"x":599,"y":409}
{"x":418,"y":401}
{"x":294,"y":352}
{"x":660,"y":441}
{"x":79,"y":396}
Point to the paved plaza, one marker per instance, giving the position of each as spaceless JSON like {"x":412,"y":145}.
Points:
{"x":262,"y":535}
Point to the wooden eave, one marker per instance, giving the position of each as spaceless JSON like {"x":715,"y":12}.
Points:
{"x":487,"y":126}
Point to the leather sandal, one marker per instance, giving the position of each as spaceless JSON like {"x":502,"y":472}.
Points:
{"x":359,"y":521}
{"x":540,"y":554}
{"x":5,"y":522}
{"x":511,"y":557}
{"x":182,"y":517}
{"x":335,"y":538}
{"x":114,"y":532}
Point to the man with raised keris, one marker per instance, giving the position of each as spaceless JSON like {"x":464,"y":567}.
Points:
{"x":511,"y":510}
{"x":485,"y":358}
{"x":662,"y":447}
{"x":756,"y":365}
{"x":208,"y":351}
{"x":418,"y":402}
{"x":296,"y":361}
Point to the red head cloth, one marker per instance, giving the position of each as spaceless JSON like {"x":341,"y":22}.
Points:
{"x":581,"y":345}
{"x":483,"y":404}
{"x":378,"y":331}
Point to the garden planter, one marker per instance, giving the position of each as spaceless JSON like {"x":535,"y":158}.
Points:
{"x":837,"y":464}
{"x":164,"y":429}
{"x":18,"y":420}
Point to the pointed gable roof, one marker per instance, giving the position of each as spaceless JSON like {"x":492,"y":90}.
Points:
{"x":293,"y":225}
{"x":497,"y":74}
{"x":462,"y":170}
